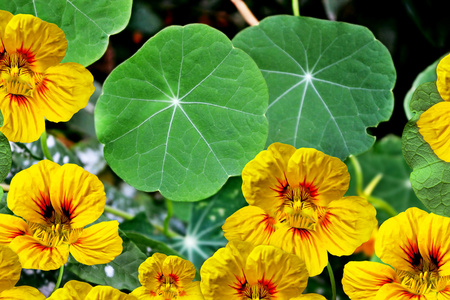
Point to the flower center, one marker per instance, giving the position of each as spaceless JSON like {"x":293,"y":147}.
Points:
{"x":259,"y":291}
{"x":16,"y":77}
{"x":168,"y":287}
{"x":425,"y":280}
{"x":56,"y":234}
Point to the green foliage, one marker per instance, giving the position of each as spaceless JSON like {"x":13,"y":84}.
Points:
{"x":429,"y":178}
{"x":86,"y":24}
{"x":5,"y":157}
{"x":328,"y":82}
{"x":183,"y":114}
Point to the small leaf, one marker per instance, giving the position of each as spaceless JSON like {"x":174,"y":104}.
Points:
{"x":5,"y":157}
{"x":429,"y":178}
{"x":183,"y":114}
{"x":328,"y":81}
{"x":150,"y":246}
{"x":86,"y":24}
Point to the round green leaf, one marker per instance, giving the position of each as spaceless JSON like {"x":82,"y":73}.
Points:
{"x":183,"y":114}
{"x":430,"y":176}
{"x":328,"y":81}
{"x":86,"y":24}
{"x":5,"y":157}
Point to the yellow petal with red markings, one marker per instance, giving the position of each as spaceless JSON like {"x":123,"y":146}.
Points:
{"x":10,"y":228}
{"x":98,"y":244}
{"x":395,"y":291}
{"x":63,"y":90}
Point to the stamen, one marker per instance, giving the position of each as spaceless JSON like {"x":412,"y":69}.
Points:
{"x":54,"y":235}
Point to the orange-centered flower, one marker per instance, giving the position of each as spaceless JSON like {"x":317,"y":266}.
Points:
{"x":434,"y":124}
{"x":241,"y":271}
{"x":417,"y":246}
{"x":296,"y":203}
{"x":167,"y":278}
{"x":10,"y":269}
{"x":57,"y":202}
{"x":34,"y":85}
{"x":77,"y":290}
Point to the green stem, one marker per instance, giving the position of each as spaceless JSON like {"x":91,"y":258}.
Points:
{"x":332,"y":281}
{"x":167,"y":219}
{"x":372,"y":185}
{"x":58,"y":281}
{"x":45,"y":147}
{"x":296,"y":8}
{"x":358,"y":172}
{"x":383,"y":205}
{"x":118,"y":212}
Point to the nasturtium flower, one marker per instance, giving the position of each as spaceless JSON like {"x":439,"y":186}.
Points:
{"x":434,"y":124}
{"x":296,"y":203}
{"x":242,"y":271}
{"x":77,"y":290}
{"x":416,"y":247}
{"x":10,"y":269}
{"x":34,"y":85}
{"x":167,"y":278}
{"x":56,"y":203}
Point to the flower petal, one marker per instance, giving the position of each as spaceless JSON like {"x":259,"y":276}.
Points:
{"x":5,"y":16}
{"x":183,"y":269}
{"x":64,"y":90}
{"x":309,"y":297}
{"x":21,"y":293}
{"x":29,"y":195}
{"x":282,"y":273}
{"x":150,"y":270}
{"x":306,"y":244}
{"x":77,"y":194}
{"x":10,"y":228}
{"x":192,"y":292}
{"x":23,"y":121}
{"x":434,"y":244}
{"x":363,"y":279}
{"x":44,"y":44}
{"x":396,"y":243}
{"x":10,"y":268}
{"x":434,"y":126}
{"x":222,"y":272}
{"x":264,"y":175}
{"x":98,"y":244}
{"x":251,"y":224}
{"x":395,"y":291}
{"x":72,"y":290}
{"x":443,"y":78}
{"x":325,"y":174}
{"x":347,"y":224}
{"x":101,"y":292}
{"x":34,"y":255}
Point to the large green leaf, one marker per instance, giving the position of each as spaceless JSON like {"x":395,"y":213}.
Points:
{"x":183,"y":114}
{"x":5,"y":157}
{"x":328,"y":81}
{"x":86,"y":24}
{"x":430,"y":176}
{"x":386,"y":158}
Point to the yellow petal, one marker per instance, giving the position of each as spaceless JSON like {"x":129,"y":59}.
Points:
{"x":100,"y":292}
{"x":434,"y":244}
{"x":222,"y":272}
{"x":347,"y":224}
{"x":282,"y":273}
{"x":434,"y":126}
{"x":21,"y":293}
{"x":23,"y":121}
{"x":396,"y":243}
{"x":10,"y":268}
{"x":309,"y":297}
{"x":192,"y":292}
{"x":183,"y":269}
{"x":443,"y":78}
{"x":395,"y":291}
{"x":150,"y":270}
{"x":5,"y":16}
{"x":29,"y":195}
{"x":306,"y":244}
{"x":327,"y":176}
{"x":77,"y":194}
{"x":363,"y":279}
{"x":98,"y":244}
{"x":72,"y":290}
{"x":43,"y":43}
{"x":33,"y":255}
{"x":251,"y":224}
{"x":264,"y":175}
{"x":64,"y":90}
{"x":10,"y":228}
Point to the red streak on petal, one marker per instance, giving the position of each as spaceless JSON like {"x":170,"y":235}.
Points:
{"x":269,"y":285}
{"x":44,"y":205}
{"x":436,"y":256}
{"x":412,"y":251}
{"x":282,"y":187}
{"x":384,"y":281}
{"x":239,"y":286}
{"x":304,"y":234}
{"x":269,"y":224}
{"x":27,"y":54}
{"x":19,"y":99}
{"x":310,"y":187}
{"x":408,"y":295}
{"x":325,"y":221}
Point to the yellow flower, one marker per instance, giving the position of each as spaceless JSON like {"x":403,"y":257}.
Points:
{"x":57,"y":202}
{"x":9,"y":275}
{"x":167,"y":277}
{"x":296,"y":203}
{"x":77,"y":290}
{"x":417,"y":246}
{"x":434,"y":125}
{"x":241,"y":271}
{"x":34,"y":85}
